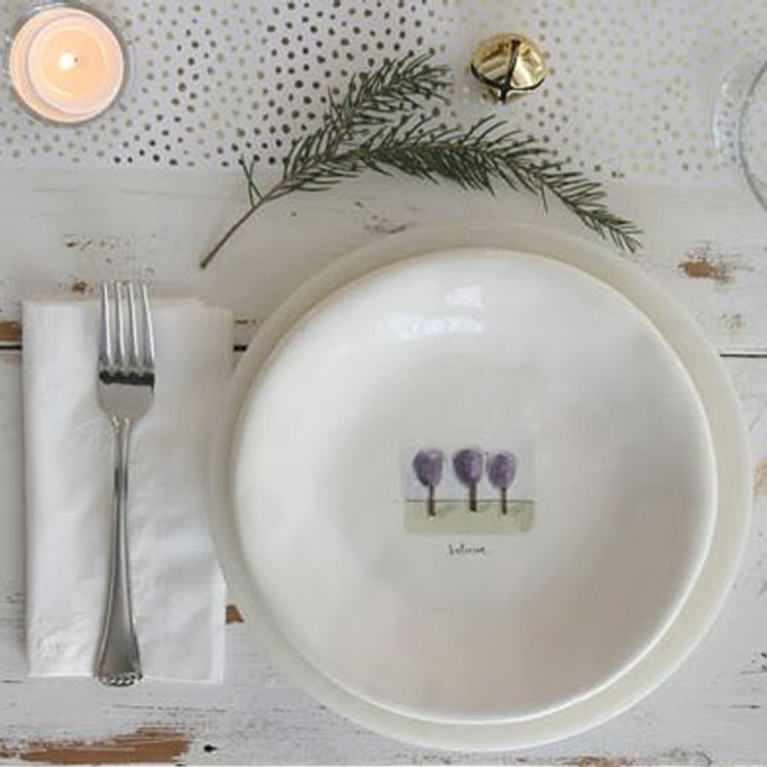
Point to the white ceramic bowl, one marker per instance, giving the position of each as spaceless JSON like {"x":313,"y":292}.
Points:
{"x":566,"y":357}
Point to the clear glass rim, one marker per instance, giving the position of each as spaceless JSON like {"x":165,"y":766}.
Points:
{"x":751,"y":177}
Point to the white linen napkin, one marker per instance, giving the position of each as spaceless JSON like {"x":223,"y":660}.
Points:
{"x":178,"y":591}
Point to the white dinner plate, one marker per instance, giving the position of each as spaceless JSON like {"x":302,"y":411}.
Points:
{"x":522,"y":590}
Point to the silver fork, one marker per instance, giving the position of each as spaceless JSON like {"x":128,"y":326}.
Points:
{"x":125,"y":391}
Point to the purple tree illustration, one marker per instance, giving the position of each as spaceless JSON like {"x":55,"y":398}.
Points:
{"x":501,"y":470}
{"x":427,"y":465}
{"x":468,"y":465}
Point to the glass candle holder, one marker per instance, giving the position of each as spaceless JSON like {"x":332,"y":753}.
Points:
{"x":67,"y":63}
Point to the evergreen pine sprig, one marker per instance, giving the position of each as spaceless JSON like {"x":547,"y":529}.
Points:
{"x":383,"y":123}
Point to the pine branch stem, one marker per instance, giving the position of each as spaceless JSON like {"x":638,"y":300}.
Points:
{"x":240,"y":222}
{"x":272,"y":194}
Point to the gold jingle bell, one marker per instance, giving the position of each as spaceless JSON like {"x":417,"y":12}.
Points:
{"x":509,"y":64}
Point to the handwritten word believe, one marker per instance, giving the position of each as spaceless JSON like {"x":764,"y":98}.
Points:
{"x":461,"y":549}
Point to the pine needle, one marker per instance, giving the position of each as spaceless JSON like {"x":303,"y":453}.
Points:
{"x":384,"y":123}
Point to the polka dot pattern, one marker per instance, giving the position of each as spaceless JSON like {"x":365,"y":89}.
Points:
{"x":630,"y":94}
{"x":632,"y":85}
{"x":212,"y":81}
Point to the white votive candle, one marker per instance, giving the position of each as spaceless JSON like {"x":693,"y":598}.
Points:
{"x":66,"y":63}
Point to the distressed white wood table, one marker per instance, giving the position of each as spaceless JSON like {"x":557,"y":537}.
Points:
{"x":646,"y":128}
{"x":63,"y":232}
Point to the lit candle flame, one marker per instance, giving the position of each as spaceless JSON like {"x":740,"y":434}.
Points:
{"x":67,"y":61}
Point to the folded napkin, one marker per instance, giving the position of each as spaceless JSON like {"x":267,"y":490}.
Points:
{"x":178,"y":590}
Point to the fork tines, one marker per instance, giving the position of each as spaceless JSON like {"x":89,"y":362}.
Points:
{"x":126,"y":339}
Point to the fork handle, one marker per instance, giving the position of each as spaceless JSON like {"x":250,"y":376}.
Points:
{"x":118,"y":662}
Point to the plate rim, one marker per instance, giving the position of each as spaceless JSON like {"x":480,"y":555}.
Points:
{"x":705,"y":595}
